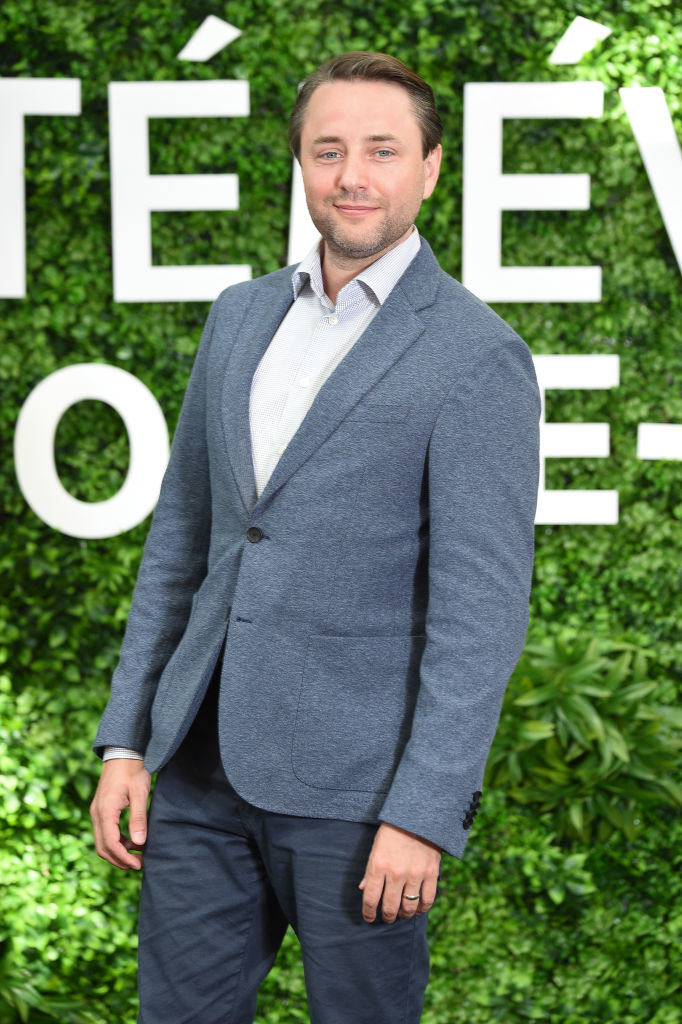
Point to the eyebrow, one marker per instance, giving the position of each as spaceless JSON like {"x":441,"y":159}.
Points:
{"x":325,"y":140}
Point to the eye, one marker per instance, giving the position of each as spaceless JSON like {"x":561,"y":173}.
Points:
{"x":383,"y":153}
{"x":328,"y":155}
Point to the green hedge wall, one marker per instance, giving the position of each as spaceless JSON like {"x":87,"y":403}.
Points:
{"x":526,"y":928}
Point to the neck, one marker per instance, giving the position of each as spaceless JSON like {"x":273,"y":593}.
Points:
{"x":338,"y":268}
{"x":337,"y":271}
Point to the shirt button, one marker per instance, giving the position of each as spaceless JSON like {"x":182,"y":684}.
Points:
{"x":282,"y":448}
{"x":254,"y":534}
{"x":333,"y":319}
{"x":304,"y":382}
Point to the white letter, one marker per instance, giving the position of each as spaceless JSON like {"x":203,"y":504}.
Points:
{"x":135,"y":192}
{"x":581,"y":36}
{"x":650,"y":120}
{"x":575,"y":440}
{"x":213,"y":35}
{"x":659,"y":441}
{"x":34,"y":450}
{"x":302,"y":232}
{"x":487,"y":191}
{"x":19,"y":97}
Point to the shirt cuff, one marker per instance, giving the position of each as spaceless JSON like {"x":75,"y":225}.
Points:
{"x":126,"y":752}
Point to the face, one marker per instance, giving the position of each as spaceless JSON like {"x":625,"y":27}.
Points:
{"x":363,"y":170}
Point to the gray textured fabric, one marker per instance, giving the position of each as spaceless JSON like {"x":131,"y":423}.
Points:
{"x":376,"y":621}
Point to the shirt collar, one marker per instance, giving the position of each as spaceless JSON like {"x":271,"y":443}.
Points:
{"x":380,"y":277}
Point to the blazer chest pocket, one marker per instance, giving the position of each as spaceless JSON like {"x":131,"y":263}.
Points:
{"x":355,"y":710}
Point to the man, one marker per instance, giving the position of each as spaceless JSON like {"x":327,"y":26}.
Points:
{"x":352,"y":485}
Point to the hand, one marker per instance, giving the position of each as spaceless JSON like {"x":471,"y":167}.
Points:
{"x":399,"y":862}
{"x":124,"y":783}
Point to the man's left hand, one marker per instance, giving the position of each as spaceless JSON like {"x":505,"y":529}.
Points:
{"x":400,"y":865}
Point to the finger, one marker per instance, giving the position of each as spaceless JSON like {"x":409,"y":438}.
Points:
{"x":138,"y":816}
{"x":109,"y":844}
{"x":109,"y":840}
{"x":429,"y":892}
{"x":411,"y":888}
{"x":121,"y":854}
{"x":372,"y":888}
{"x":130,"y":845}
{"x":391,"y":899}
{"x":406,"y":912}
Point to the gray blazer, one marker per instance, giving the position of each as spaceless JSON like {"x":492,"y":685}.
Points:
{"x":376,"y":592}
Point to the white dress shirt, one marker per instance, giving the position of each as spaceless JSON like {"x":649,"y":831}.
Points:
{"x":311,"y":341}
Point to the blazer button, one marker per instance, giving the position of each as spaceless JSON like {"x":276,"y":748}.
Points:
{"x":254,"y":534}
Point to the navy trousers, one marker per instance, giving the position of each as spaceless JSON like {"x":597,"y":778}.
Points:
{"x":221,"y":881}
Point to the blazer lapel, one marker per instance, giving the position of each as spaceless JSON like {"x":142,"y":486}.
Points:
{"x":264,"y":315}
{"x":395,"y":327}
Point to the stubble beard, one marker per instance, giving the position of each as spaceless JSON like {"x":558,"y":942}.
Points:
{"x":345,"y":248}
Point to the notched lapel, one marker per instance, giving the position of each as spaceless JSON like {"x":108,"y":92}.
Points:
{"x":266,"y":311}
{"x":391,"y":332}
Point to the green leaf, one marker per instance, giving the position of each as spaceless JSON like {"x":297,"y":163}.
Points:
{"x":538,"y":695}
{"x":639,"y":667}
{"x":575,"y":816}
{"x":671,"y":716}
{"x":636,"y":692}
{"x":586,"y":711}
{"x":616,"y":742}
{"x":574,"y":724}
{"x":535,"y":730}
{"x":620,"y":671}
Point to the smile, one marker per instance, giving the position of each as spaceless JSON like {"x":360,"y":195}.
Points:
{"x":354,"y":211}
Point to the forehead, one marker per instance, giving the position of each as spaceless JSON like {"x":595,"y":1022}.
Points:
{"x":342,"y":109}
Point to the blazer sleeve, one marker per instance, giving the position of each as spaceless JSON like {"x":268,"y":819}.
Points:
{"x":482,"y":486}
{"x":173,"y":565}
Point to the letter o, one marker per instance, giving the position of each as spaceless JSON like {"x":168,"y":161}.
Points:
{"x":34,"y":450}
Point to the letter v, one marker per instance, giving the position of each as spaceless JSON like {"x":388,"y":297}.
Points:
{"x":653,"y":128}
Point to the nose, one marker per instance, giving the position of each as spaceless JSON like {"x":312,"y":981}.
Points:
{"x":354,"y":176}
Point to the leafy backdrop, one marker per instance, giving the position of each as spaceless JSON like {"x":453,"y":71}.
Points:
{"x":532,"y":925}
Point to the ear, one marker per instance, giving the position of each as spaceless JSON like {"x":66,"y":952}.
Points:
{"x":432,"y":169}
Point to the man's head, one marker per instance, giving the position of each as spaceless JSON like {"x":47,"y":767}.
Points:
{"x":364,"y":66}
{"x":366,"y":133}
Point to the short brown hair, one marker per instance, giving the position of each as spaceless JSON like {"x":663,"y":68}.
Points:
{"x":363,"y":65}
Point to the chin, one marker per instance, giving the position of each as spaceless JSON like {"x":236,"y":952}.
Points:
{"x":359,"y":247}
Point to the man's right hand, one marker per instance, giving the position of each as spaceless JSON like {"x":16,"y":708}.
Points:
{"x":124,"y":783}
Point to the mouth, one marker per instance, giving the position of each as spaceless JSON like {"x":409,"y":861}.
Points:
{"x":351,"y":210}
